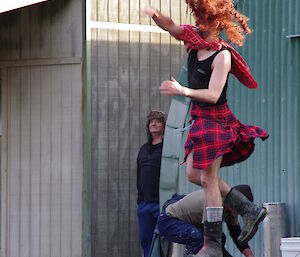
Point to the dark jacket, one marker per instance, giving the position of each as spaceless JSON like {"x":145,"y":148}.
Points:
{"x":148,"y":172}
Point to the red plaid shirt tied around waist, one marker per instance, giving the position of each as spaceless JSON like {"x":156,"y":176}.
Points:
{"x":216,"y":132}
{"x":239,"y":67}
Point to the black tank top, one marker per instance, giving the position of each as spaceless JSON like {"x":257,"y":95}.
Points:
{"x":199,"y":73}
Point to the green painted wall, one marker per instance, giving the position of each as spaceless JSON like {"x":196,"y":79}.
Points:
{"x":273,"y":54}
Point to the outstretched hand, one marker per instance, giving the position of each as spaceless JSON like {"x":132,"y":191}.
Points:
{"x":172,"y":87}
{"x":150,"y":12}
{"x":163,"y":21}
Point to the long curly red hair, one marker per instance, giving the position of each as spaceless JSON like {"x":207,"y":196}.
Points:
{"x":208,"y":13}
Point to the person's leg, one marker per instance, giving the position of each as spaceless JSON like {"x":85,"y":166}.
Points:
{"x":194,"y":176}
{"x":181,"y":232}
{"x":224,"y":187}
{"x":210,"y":184}
{"x":252,"y":214}
{"x":209,"y":180}
{"x":147,"y":218}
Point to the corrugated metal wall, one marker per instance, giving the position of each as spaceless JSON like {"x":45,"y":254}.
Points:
{"x":42,"y":167}
{"x":273,"y":53}
{"x":127,"y":67}
{"x":273,"y":170}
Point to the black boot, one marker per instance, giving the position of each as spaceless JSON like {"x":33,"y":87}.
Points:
{"x":252,"y":214}
{"x":212,"y":246}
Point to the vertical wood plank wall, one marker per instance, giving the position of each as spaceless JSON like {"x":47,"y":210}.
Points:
{"x":127,"y":68}
{"x":44,"y":162}
{"x":47,"y":30}
{"x":42,"y":168}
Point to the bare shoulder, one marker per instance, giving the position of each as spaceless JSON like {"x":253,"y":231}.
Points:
{"x":224,"y":56}
{"x":223,"y":59}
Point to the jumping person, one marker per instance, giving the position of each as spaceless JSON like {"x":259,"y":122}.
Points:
{"x":216,"y":138}
{"x":148,"y":173}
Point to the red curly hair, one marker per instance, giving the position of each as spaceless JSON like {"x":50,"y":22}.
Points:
{"x":208,"y":13}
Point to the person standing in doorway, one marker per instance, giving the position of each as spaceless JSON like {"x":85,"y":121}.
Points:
{"x":148,"y":173}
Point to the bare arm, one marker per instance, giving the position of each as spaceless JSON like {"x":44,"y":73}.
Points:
{"x":234,"y":229}
{"x":163,"y":21}
{"x":221,"y":67}
{"x":248,"y":253}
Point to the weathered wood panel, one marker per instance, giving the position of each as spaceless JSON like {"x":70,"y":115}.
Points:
{"x":14,"y":128}
{"x":4,"y":161}
{"x":113,"y":106}
{"x":165,"y":53}
{"x":66,"y":169}
{"x":41,"y":175}
{"x":134,"y":127}
{"x":47,"y":30}
{"x":124,"y":92}
{"x":127,"y":67}
{"x":76,"y":163}
{"x":25,"y":180}
{"x":44,"y":155}
{"x":46,"y":162}
{"x":35,"y":160}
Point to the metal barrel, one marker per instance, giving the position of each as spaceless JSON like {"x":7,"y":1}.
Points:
{"x":274,"y":228}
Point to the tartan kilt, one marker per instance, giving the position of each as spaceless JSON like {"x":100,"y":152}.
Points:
{"x":216,"y":132}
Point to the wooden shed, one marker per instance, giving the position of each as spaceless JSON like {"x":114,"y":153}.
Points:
{"x":78,"y":78}
{"x":129,"y":57}
{"x":41,"y":62}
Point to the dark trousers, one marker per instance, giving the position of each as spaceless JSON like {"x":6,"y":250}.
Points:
{"x":181,"y":232}
{"x":147,"y":216}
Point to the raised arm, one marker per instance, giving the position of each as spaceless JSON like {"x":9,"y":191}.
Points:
{"x":163,"y":21}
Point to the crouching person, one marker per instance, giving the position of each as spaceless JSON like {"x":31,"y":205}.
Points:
{"x":182,"y":221}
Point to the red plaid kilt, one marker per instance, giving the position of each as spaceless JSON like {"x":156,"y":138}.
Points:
{"x":216,"y":132}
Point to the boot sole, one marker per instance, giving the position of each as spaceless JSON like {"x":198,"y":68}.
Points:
{"x":254,"y":228}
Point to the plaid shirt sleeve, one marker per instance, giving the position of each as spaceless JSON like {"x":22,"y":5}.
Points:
{"x":192,"y":39}
{"x":240,"y":69}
